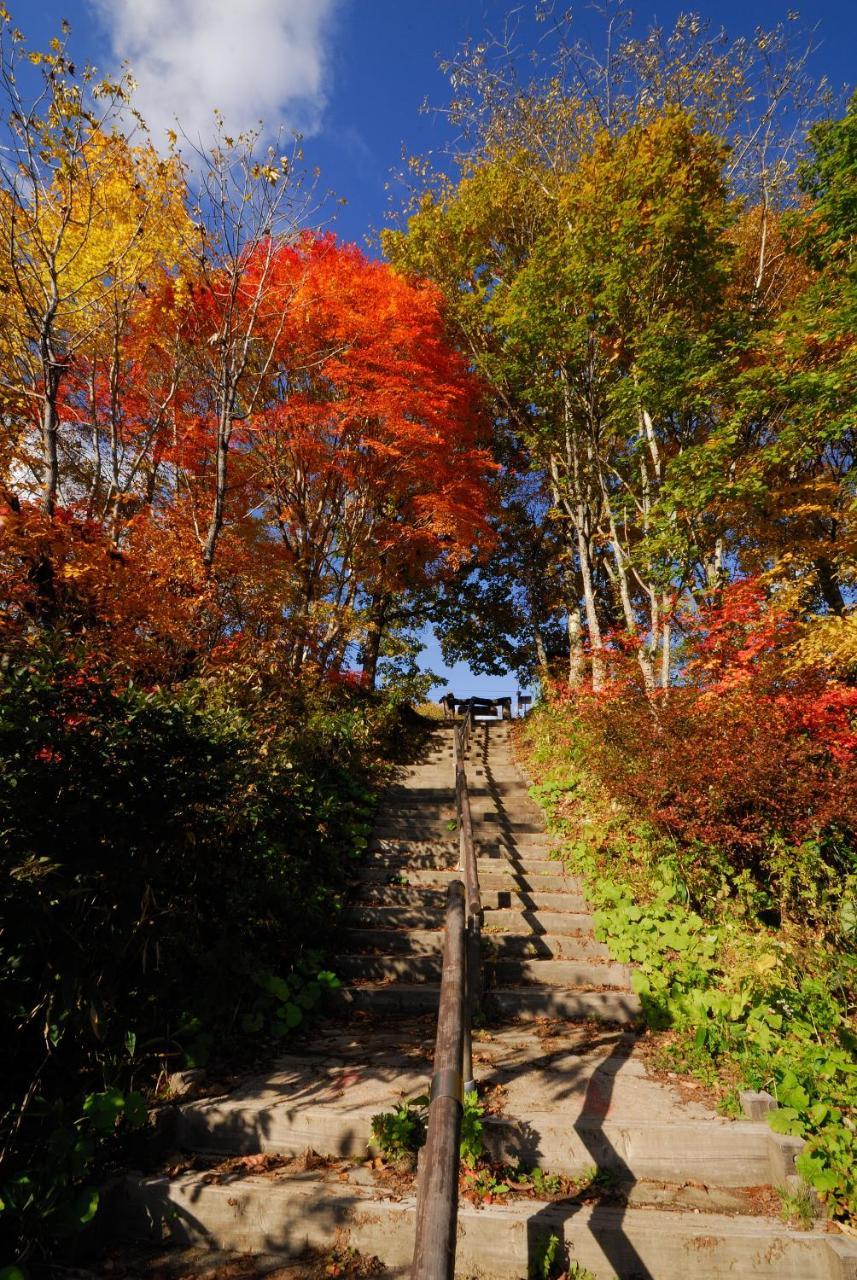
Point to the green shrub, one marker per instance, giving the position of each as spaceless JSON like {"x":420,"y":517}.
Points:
{"x":751,"y":1004}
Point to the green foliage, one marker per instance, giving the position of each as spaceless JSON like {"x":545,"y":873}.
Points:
{"x":541,"y":1182}
{"x":283,"y":1003}
{"x":548,"y":1259}
{"x":170,"y":862}
{"x":485,"y":1185}
{"x":797,"y":1205}
{"x":472,"y":1143}
{"x":782,"y":1031}
{"x":829,"y":175}
{"x":402,"y":1130}
{"x":744,"y":1004}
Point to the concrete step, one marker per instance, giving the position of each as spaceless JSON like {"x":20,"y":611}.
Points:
{"x":445,"y":857}
{"x":516,"y":920}
{"x":416,"y":828}
{"x":419,"y":914}
{"x":487,"y":821}
{"x":496,"y":877}
{"x":565,"y":974}
{"x":403,"y":942}
{"x":577,"y":1098}
{"x":404,"y":999}
{"x":503,"y":1241}
{"x":519,"y":946}
{"x":531,"y":1002}
{"x":446,"y":792}
{"x":404,"y":916}
{"x":715,"y":1154}
{"x":493,"y":899}
{"x":432,"y":858}
{"x":447,"y":848}
{"x":547,"y":946}
{"x":521,"y":847}
{"x":432,"y":813}
{"x":525,"y":818}
{"x":528,"y":1003}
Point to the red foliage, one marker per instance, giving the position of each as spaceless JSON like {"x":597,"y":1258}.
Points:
{"x":745,"y":751}
{"x":356,"y":468}
{"x":135,"y":613}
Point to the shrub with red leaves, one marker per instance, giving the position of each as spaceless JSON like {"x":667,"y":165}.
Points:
{"x":747,"y":766}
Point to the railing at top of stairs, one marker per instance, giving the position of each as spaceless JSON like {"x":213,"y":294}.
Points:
{"x":460,"y":996}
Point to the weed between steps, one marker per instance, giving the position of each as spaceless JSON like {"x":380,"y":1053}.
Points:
{"x":399,"y":1134}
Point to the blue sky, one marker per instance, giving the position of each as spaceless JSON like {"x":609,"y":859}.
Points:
{"x":352,"y":75}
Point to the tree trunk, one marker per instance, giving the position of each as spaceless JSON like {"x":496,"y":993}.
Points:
{"x":372,"y":644}
{"x":666,"y":655}
{"x":593,"y":626}
{"x":576,"y":657}
{"x":215,"y":524}
{"x":541,"y":652}
{"x":50,"y":445}
{"x":831,"y":592}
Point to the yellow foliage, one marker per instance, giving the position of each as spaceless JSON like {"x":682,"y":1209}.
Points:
{"x":86,"y":245}
{"x":114,"y":213}
{"x":829,"y":642}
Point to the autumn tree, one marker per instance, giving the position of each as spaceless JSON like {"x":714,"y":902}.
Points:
{"x":373,"y":475}
{"x":73,"y":231}
{"x":610,"y":246}
{"x":248,"y":200}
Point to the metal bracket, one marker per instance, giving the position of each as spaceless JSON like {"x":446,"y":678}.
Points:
{"x":447,"y":1084}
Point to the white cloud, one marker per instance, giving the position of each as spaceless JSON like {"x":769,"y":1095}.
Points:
{"x":251,"y":59}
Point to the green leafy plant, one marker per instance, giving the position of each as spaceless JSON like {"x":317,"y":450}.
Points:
{"x":548,"y":1258}
{"x":472,"y":1126}
{"x":798,"y":1205}
{"x":169,"y":860}
{"x":541,"y":1182}
{"x":576,"y":1271}
{"x":402,"y":1131}
{"x":485,"y":1185}
{"x":741,"y":1004}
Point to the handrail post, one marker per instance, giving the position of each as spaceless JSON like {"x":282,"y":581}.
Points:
{"x":437,"y":1199}
{"x":460,"y":997}
{"x":473,"y":996}
{"x":467,"y":861}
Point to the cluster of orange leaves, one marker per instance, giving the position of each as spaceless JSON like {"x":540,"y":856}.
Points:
{"x":360,"y":458}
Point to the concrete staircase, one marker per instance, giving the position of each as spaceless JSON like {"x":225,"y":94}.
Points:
{"x":681,"y":1188}
{"x":541,"y":959}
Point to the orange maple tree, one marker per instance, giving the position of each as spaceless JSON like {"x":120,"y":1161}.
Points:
{"x":355,"y":469}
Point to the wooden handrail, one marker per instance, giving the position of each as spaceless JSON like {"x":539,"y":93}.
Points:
{"x":466,"y":847}
{"x":460,"y":994}
{"x":467,"y":860}
{"x":437,"y":1196}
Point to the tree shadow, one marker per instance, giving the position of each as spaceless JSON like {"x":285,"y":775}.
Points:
{"x":524,"y":1142}
{"x":605,"y":1220}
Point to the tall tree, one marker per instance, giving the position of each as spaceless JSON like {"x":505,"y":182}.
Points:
{"x":64,"y":246}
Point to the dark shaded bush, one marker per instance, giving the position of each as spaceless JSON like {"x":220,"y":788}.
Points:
{"x":171,"y":865}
